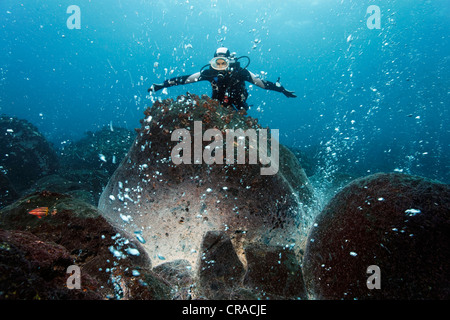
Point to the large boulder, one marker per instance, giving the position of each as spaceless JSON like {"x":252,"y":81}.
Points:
{"x":220,"y":271}
{"x":274,"y":272}
{"x":259,"y":272}
{"x":385,"y":236}
{"x":179,"y":275}
{"x":87,"y":164}
{"x":34,"y":269}
{"x":83,"y":184}
{"x":8,"y":193}
{"x":39,"y":250}
{"x":101,"y":151}
{"x":173,"y":206}
{"x":25,"y":154}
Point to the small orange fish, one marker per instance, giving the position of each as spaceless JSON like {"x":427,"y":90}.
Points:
{"x":41,"y":212}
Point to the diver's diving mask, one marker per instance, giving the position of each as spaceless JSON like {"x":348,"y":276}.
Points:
{"x":219,"y":63}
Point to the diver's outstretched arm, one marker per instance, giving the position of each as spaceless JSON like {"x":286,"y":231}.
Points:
{"x":175,"y":82}
{"x":270,"y":85}
{"x":278,"y":87}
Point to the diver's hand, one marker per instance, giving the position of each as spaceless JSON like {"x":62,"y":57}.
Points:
{"x":289,"y":94}
{"x":155,"y":87}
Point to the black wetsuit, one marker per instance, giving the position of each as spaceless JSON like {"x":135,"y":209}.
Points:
{"x":228,"y":86}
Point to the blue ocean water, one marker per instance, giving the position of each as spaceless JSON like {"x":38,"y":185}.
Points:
{"x":368,"y":99}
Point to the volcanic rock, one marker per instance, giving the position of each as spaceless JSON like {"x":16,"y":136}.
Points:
{"x":84,"y":184}
{"x":74,"y":233}
{"x":87,"y":164}
{"x":220,"y":270}
{"x":179,"y":275}
{"x":25,"y":153}
{"x":34,"y":269}
{"x":97,"y":151}
{"x":395,"y":222}
{"x":274,"y":272}
{"x":8,"y":193}
{"x":174,"y":206}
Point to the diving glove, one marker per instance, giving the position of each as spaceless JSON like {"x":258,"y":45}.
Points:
{"x":289,"y":94}
{"x":156,"y":87}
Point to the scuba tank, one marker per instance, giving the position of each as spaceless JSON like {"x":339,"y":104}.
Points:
{"x":234,"y":63}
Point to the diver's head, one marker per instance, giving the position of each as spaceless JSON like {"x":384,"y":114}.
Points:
{"x":221,"y":61}
{"x":222,"y":52}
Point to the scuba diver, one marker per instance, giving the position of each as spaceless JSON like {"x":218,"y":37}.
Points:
{"x":227,"y":79}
